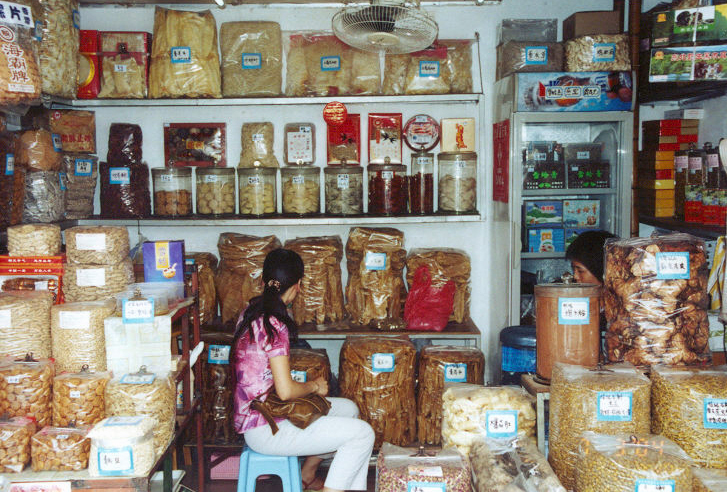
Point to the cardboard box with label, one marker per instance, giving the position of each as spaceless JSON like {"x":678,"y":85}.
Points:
{"x":592,"y":22}
{"x":542,"y":213}
{"x":546,"y":240}
{"x":582,"y":213}
{"x":163,"y":261}
{"x":33,"y":273}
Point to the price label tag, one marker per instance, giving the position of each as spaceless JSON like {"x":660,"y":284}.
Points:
{"x":218,"y":354}
{"x":424,"y":161}
{"x":712,"y":160}
{"x":91,"y":277}
{"x":14,"y":379}
{"x":715,"y":413}
{"x":210,"y":178}
{"x":137,"y":311}
{"x":455,"y":373}
{"x":672,"y":265}
{"x":9,"y":164}
{"x":62,"y":178}
{"x":76,"y":15}
{"x":583,"y":155}
{"x":573,"y":92}
{"x":5,"y":319}
{"x":116,"y":461}
{"x":681,"y":162}
{"x":299,"y":376}
{"x":330,"y":63}
{"x":539,"y":156}
{"x":14,"y":13}
{"x":387,"y":175}
{"x":343,"y":180}
{"x":614,"y":406}
{"x":591,"y":92}
{"x":298,"y":180}
{"x":119,"y":176}
{"x":429,"y":68}
{"x":604,"y":52}
{"x":181,"y":54}
{"x":75,"y":394}
{"x":91,"y":242}
{"x":74,"y":320}
{"x":120,"y":68}
{"x":252,"y":61}
{"x":375,"y":261}
{"x":536,"y":55}
{"x":501,"y":423}
{"x":573,"y":310}
{"x":648,"y":485}
{"x":61,"y":437}
{"x":123,"y":421}
{"x":413,"y":486}
{"x":382,"y":362}
{"x":57,"y":142}
{"x":165,"y":178}
{"x":253,"y":180}
{"x":138,"y":378}
{"x":83,"y":167}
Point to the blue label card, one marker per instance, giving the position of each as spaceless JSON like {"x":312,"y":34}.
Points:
{"x":455,"y":373}
{"x":614,"y":406}
{"x":38,"y":31}
{"x":648,"y":485}
{"x":62,"y":178}
{"x":673,"y":265}
{"x":115,"y":461}
{"x":413,"y":486}
{"x":137,"y":311}
{"x":715,"y":413}
{"x":429,"y":68}
{"x":138,"y":378}
{"x":299,"y":376}
{"x":501,"y":423}
{"x":573,"y":310}
{"x":382,"y":362}
{"x":375,"y":261}
{"x":218,"y":354}
{"x":330,"y":63}
{"x":181,"y":54}
{"x":76,"y":18}
{"x":83,"y":167}
{"x":604,"y":52}
{"x":536,"y":55}
{"x":119,"y":176}
{"x":9,"y":164}
{"x":57,"y":142}
{"x":252,"y":61}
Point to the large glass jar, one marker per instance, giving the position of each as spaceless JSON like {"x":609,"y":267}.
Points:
{"x":421,"y":183}
{"x":387,"y":189}
{"x":344,"y":190}
{"x":457,"y":182}
{"x":215,"y":190}
{"x":301,"y":190}
{"x":257,"y":190}
{"x":172,"y":191}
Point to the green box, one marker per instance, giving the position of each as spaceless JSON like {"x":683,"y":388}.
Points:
{"x":678,"y":26}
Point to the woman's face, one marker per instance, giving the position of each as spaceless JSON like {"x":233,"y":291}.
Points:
{"x":582,"y":274}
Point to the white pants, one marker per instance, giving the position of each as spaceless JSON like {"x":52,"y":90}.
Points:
{"x":340,"y":433}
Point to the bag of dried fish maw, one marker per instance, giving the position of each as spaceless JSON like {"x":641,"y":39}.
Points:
{"x":252,"y":59}
{"x":631,"y":463}
{"x":459,"y":64}
{"x":689,"y":406}
{"x":124,"y":64}
{"x":25,"y":323}
{"x":184,"y":58}
{"x":656,"y":300}
{"x":59,"y":50}
{"x":426,"y":72}
{"x":399,"y":469}
{"x":20,"y":82}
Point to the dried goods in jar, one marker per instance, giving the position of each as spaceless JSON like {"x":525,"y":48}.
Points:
{"x":38,"y":151}
{"x":97,"y":245}
{"x":77,"y":331}
{"x":388,"y":191}
{"x":257,"y":145}
{"x":444,"y":265}
{"x":25,"y":323}
{"x":301,"y":194}
{"x":457,"y":195}
{"x":257,"y":191}
{"x":60,"y":449}
{"x":81,"y":177}
{"x":252,"y":59}
{"x":78,"y":397}
{"x":207,"y":296}
{"x":421,"y":193}
{"x":59,"y":49}
{"x":131,"y":438}
{"x":15,"y":435}
{"x":177,"y":202}
{"x":44,"y":197}
{"x":34,"y":240}
{"x":89,"y":282}
{"x":124,"y":148}
{"x":343,"y":190}
{"x":25,"y":388}
{"x":124,"y":191}
{"x":215,"y":192}
{"x":404,"y":469}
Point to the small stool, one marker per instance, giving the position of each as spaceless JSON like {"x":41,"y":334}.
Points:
{"x":253,"y":464}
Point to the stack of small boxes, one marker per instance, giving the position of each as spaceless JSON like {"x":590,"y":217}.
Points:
{"x":660,"y":140}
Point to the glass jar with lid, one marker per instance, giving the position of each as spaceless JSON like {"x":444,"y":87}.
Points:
{"x":300,"y":144}
{"x":457,"y":182}
{"x":215,"y":190}
{"x":301,"y":190}
{"x":344,"y":190}
{"x":387,"y":189}
{"x":172,"y":191}
{"x":421,"y":183}
{"x":257,"y":190}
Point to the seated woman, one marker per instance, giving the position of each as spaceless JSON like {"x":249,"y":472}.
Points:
{"x":586,"y":256}
{"x":261,"y":351}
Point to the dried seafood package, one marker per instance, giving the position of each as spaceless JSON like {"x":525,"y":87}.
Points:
{"x":689,"y":406}
{"x":320,"y":299}
{"x":78,"y":397}
{"x":440,"y":364}
{"x":25,"y":388}
{"x":16,"y":433}
{"x":184,"y":58}
{"x":25,"y":323}
{"x":207,"y":298}
{"x":400,"y":469}
{"x":60,"y":449}
{"x":124,"y":64}
{"x":445,"y":265}
{"x":34,"y":240}
{"x":611,"y":400}
{"x":656,"y":300}
{"x":218,"y":385}
{"x":309,"y":364}
{"x":239,"y":275}
{"x":252,"y":59}
{"x":20,"y":81}
{"x":256,"y":141}
{"x":77,"y":331}
{"x":98,"y":245}
{"x":377,"y":373}
{"x":37,"y":150}
{"x":375,"y":260}
{"x":81,"y":177}
{"x":59,"y":50}
{"x":92,"y":282}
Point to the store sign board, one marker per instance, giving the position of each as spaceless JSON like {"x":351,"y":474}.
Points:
{"x":501,"y":167}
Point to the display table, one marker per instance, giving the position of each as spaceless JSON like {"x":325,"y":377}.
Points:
{"x":541,"y":392}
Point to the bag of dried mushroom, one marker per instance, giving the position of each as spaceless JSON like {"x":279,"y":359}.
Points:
{"x":26,"y":323}
{"x":689,"y":406}
{"x":59,"y":50}
{"x":60,"y":449}
{"x":25,"y":388}
{"x":132,"y":438}
{"x":309,"y":364}
{"x":184,"y":57}
{"x":614,"y":399}
{"x":656,"y":300}
{"x":631,"y":462}
{"x":445,"y":265}
{"x":400,"y":469}
{"x":34,"y":240}
{"x":252,"y":59}
{"x":78,"y":398}
{"x":377,"y":373}
{"x":257,"y":145}
{"x":20,"y":81}
{"x":16,"y":433}
{"x":320,"y":299}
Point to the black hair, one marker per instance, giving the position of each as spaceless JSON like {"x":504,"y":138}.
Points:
{"x":282,"y":269}
{"x":587,"y":248}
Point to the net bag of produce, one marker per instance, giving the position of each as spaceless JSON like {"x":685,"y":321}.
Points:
{"x":20,"y":80}
{"x":78,"y":397}
{"x":400,"y":469}
{"x":377,"y":373}
{"x":609,"y":400}
{"x":252,"y":59}
{"x":25,"y":325}
{"x":309,"y":364}
{"x":15,"y":445}
{"x":656,"y":300}
{"x":60,"y":449}
{"x":207,"y":297}
{"x":59,"y":50}
{"x":25,"y":388}
{"x":218,"y":386}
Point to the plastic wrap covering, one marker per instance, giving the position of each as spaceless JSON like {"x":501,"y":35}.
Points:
{"x":543,"y":30}
{"x":628,"y":462}
{"x":125,"y":191}
{"x":37,"y":151}
{"x":76,"y":129}
{"x":709,"y":480}
{"x":124,"y":438}
{"x":309,"y":364}
{"x":184,"y":58}
{"x":239,"y":276}
{"x":439,"y":365}
{"x":445,"y":265}
{"x":99,"y":245}
{"x":218,"y":385}
{"x":34,"y":240}
{"x":207,"y":296}
{"x":125,"y":141}
{"x":527,"y":56}
{"x":44,"y":197}
{"x":25,"y":323}
{"x":15,"y":444}
{"x":320,"y":299}
{"x":25,"y":388}
{"x":257,"y":145}
{"x":656,"y":300}
{"x":59,"y":50}
{"x":377,"y":373}
{"x":81,"y":176}
{"x":124,"y":71}
{"x":508,"y":412}
{"x":689,"y":406}
{"x":20,"y":81}
{"x":87,"y":282}
{"x":78,"y":398}
{"x":612,"y":400}
{"x":513,"y":465}
{"x":77,"y":330}
{"x":319,"y":64}
{"x":252,"y":59}
{"x":598,"y":53}
{"x":60,"y":449}
{"x":404,"y":469}
{"x":375,"y":259}
{"x":149,"y":394}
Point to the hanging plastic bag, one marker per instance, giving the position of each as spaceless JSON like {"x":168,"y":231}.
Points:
{"x":428,"y":308}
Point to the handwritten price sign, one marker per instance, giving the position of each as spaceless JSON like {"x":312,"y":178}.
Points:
{"x":501,"y":423}
{"x":614,"y":406}
{"x":382,"y":362}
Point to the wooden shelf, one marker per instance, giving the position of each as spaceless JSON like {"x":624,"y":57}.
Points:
{"x":699,"y":230}
{"x":654,"y":92}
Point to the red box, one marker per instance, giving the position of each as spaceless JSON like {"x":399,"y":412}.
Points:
{"x":693,"y":211}
{"x":344,"y":141}
{"x":89,"y":66}
{"x":40,"y":272}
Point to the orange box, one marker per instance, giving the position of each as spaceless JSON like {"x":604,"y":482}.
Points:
{"x":33,"y":273}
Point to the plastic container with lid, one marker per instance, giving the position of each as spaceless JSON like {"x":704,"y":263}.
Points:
{"x":300,"y":143}
{"x":457,"y":182}
{"x":172,"y":191}
{"x":215,"y":190}
{"x":421,"y":183}
{"x":301,"y":190}
{"x":518,"y":352}
{"x":387,"y":189}
{"x":343,"y":190}
{"x":257,"y":190}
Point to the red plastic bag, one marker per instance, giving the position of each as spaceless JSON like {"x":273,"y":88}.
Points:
{"x":427,"y":307}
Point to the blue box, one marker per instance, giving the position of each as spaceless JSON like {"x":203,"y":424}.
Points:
{"x":543,"y":213}
{"x":163,"y":261}
{"x":546,"y":240}
{"x":580,"y":214}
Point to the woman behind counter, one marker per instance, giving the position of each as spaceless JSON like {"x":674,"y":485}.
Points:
{"x":262,"y":360}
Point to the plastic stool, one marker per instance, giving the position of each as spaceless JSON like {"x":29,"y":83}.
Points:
{"x":253,"y":464}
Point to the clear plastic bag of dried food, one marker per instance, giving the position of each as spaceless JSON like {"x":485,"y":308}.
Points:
{"x":528,"y":56}
{"x":511,"y":465}
{"x":656,"y":300}
{"x":218,"y":385}
{"x":59,"y":49}
{"x":257,"y":145}
{"x":102,"y":245}
{"x":598,"y":52}
{"x":309,"y":364}
{"x":60,"y":449}
{"x":124,"y":191}
{"x":34,"y":240}
{"x":26,"y":323}
{"x":207,"y":298}
{"x":459,"y":64}
{"x":252,"y":59}
{"x":38,"y":150}
{"x":78,"y":397}
{"x":621,"y":462}
{"x":124,"y":64}
{"x":124,"y":148}
{"x":125,"y":438}
{"x":25,"y":388}
{"x":81,"y":176}
{"x":44,"y":197}
{"x":15,"y":433}
{"x":709,"y":480}
{"x":77,"y":331}
{"x":20,"y":79}
{"x":400,"y":468}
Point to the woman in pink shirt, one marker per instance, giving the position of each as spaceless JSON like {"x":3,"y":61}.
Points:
{"x":262,"y":360}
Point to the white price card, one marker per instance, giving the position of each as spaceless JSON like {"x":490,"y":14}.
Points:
{"x":455,"y":373}
{"x":583,"y":155}
{"x":298,"y":180}
{"x":330,"y":63}
{"x":673,"y":265}
{"x":74,"y":320}
{"x":123,"y":421}
{"x":299,"y":376}
{"x":83,"y":167}
{"x":343,"y":180}
{"x":553,"y":92}
{"x":573,"y":92}
{"x":91,"y":242}
{"x":536,"y":55}
{"x":210,"y":178}
{"x":424,"y":471}
{"x":382,"y":362}
{"x":75,"y":394}
{"x":387,"y":175}
{"x":591,"y":91}
{"x":14,"y":379}
{"x":119,"y":176}
{"x":181,"y":54}
{"x":5,"y":318}
{"x":138,"y":378}
{"x":414,"y":486}
{"x":253,"y":180}
{"x":429,"y":68}
{"x":615,"y":406}
{"x":116,"y":461}
{"x":120,"y":68}
{"x":648,"y":485}
{"x":604,"y":52}
{"x":715,"y":413}
{"x":218,"y":354}
{"x":90,"y":277}
{"x":573,"y":310}
{"x":252,"y":61}
{"x":15,"y":13}
{"x":375,"y":261}
{"x":501,"y":423}
{"x":137,"y":311}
